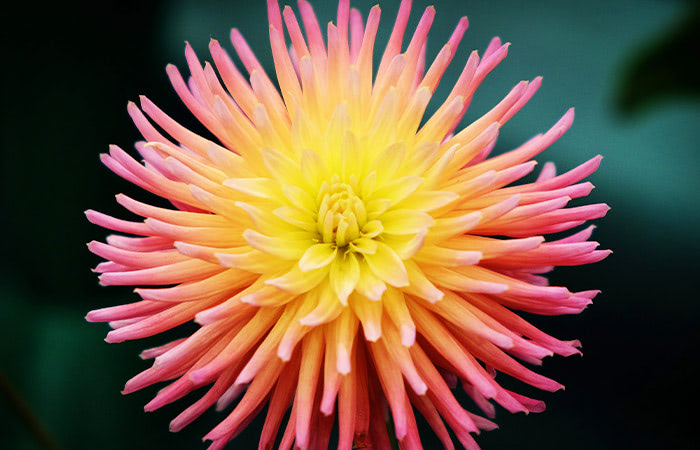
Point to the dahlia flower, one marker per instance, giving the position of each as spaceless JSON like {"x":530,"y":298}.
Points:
{"x":339,"y":252}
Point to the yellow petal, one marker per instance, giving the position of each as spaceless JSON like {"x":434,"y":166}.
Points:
{"x":327,"y":309}
{"x":447,"y":227}
{"x":368,"y":284}
{"x":410,"y":121}
{"x":435,"y":174}
{"x":317,"y":256}
{"x":421,"y":158}
{"x":452,"y":279}
{"x":376,"y":207}
{"x":368,"y":184}
{"x":372,"y":229}
{"x":335,"y":132}
{"x":299,"y":197}
{"x":370,"y":315}
{"x":252,"y":261}
{"x":257,"y":187}
{"x":385,"y":115}
{"x":312,"y":167}
{"x":277,"y":246}
{"x":428,"y":200}
{"x":406,"y":246}
{"x":344,"y":275}
{"x":259,"y":294}
{"x":297,"y":217}
{"x":398,"y":189}
{"x":406,"y":221}
{"x":345,"y":327}
{"x":350,"y":153}
{"x":364,"y":245}
{"x":389,"y":161}
{"x":420,"y":286}
{"x":387,"y":266}
{"x":395,"y":307}
{"x":281,"y":167}
{"x":297,"y":282}
{"x":264,"y":221}
{"x":447,"y":257}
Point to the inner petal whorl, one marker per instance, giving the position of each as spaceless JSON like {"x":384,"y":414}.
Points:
{"x":341,"y":213}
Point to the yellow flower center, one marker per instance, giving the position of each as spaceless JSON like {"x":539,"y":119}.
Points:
{"x":342,"y":217}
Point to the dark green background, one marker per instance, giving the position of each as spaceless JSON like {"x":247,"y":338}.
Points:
{"x":627,"y":67}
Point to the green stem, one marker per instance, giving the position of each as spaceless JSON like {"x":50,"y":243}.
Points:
{"x":26,"y":415}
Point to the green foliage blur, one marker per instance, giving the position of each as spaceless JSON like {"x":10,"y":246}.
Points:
{"x":628,"y":66}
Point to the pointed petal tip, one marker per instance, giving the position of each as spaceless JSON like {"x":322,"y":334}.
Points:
{"x":209,"y":437}
{"x":199,"y":320}
{"x":284,"y":355}
{"x":326,"y":409}
{"x":437,"y":298}
{"x":112,"y":338}
{"x":372,"y":332}
{"x":420,"y":389}
{"x":343,"y":365}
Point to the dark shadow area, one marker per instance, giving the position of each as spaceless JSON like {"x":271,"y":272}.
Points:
{"x":664,"y":68}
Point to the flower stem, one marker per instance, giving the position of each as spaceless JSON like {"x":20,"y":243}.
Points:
{"x":20,"y":406}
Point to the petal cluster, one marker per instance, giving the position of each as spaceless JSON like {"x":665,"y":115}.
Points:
{"x":339,"y":250}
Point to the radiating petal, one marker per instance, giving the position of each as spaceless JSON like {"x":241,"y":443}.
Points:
{"x":387,"y":265}
{"x":317,"y":256}
{"x":344,"y":275}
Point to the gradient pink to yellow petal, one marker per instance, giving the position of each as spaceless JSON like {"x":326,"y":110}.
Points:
{"x":339,"y":252}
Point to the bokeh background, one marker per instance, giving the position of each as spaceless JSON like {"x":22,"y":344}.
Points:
{"x":629,"y":68}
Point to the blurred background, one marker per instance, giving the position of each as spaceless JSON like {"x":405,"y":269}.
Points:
{"x":629,"y":68}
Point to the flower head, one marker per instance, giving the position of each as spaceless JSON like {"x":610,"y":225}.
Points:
{"x":338,"y":253}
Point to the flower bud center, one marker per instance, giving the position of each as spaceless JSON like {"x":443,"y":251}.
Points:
{"x":341,"y":214}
